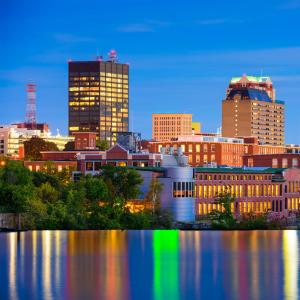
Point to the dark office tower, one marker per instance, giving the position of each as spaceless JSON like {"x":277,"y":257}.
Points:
{"x":98,"y":97}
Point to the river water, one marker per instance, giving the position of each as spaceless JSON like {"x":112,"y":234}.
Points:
{"x":158,"y":265}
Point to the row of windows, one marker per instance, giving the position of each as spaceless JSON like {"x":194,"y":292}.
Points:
{"x":96,"y":165}
{"x":183,"y":189}
{"x":293,"y":203}
{"x":94,"y":85}
{"x":248,"y":207}
{"x":233,"y":177}
{"x":115,"y":75}
{"x":250,"y":190}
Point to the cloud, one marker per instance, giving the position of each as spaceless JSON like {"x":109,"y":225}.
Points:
{"x":218,"y":21}
{"x":212,"y":21}
{"x":71,"y":38}
{"x":290,"y":4}
{"x":146,"y":26}
{"x":138,"y":27}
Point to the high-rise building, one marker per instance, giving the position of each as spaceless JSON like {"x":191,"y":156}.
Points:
{"x":98,"y":97}
{"x":251,"y":109}
{"x":166,"y":127}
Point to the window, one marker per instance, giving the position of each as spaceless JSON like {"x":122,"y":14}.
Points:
{"x":274,"y":163}
{"x":183,"y":189}
{"x":97,"y":165}
{"x":284,"y":163}
{"x":295,"y":162}
{"x":89,"y":166}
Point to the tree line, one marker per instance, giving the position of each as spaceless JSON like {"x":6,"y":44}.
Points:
{"x":47,"y":199}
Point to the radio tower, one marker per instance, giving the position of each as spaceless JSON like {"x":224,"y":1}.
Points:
{"x":31,"y":106}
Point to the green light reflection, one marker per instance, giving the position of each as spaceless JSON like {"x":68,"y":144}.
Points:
{"x":165,"y":254}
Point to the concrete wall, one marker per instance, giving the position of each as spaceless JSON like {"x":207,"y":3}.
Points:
{"x":8,"y":221}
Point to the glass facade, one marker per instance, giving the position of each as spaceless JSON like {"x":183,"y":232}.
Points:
{"x":99,"y":98}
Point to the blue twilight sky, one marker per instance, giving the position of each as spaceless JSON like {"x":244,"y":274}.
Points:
{"x":181,"y":53}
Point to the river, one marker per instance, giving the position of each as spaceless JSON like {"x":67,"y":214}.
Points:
{"x":158,"y":265}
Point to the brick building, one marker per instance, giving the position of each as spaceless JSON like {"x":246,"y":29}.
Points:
{"x":256,"y":191}
{"x":283,"y":160}
{"x":202,"y":150}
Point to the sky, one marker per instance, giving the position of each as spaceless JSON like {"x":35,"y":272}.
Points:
{"x":182,"y":54}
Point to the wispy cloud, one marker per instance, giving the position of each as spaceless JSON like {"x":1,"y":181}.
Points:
{"x":293,"y":4}
{"x":211,"y":21}
{"x":217,"y":21}
{"x":138,"y":27}
{"x":274,"y":58}
{"x":146,"y":26}
{"x":71,"y":38}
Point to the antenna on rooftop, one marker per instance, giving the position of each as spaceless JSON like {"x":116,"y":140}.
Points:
{"x":261,"y":72}
{"x":30,"y":117}
{"x":99,"y":57}
{"x":113,"y":55}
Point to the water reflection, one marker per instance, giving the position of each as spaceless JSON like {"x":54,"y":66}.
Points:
{"x":291,"y":268}
{"x":150,"y":265}
{"x":165,"y":261}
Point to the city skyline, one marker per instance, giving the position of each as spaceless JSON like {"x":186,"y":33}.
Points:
{"x":180,"y":62}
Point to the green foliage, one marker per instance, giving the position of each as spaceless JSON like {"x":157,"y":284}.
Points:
{"x":35,"y":145}
{"x":47,"y":201}
{"x":69,"y":146}
{"x":122,"y":182}
{"x":16,"y":187}
{"x":224,"y":219}
{"x":102,"y":145}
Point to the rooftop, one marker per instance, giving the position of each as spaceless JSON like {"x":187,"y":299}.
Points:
{"x":257,"y":79}
{"x":249,"y":94}
{"x":240,"y":170}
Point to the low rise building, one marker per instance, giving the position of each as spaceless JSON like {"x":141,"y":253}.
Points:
{"x":282,"y":160}
{"x":257,"y":190}
{"x":221,"y":151}
{"x":189,"y":192}
{"x":12,"y":138}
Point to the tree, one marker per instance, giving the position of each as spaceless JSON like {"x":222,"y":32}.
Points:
{"x":35,"y":145}
{"x":154,"y":194}
{"x":103,"y":145}
{"x":16,"y":188}
{"x":96,"y":189}
{"x":224,"y":219}
{"x":47,"y":193}
{"x":122,"y":182}
{"x":69,"y":146}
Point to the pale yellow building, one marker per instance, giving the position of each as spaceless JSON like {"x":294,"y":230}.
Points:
{"x":166,"y":127}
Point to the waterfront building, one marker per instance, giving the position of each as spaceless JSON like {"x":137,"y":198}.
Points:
{"x":188,"y":192}
{"x":99,"y":97}
{"x":166,"y":127}
{"x":203,"y":150}
{"x":250,"y":108}
{"x":257,"y":190}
